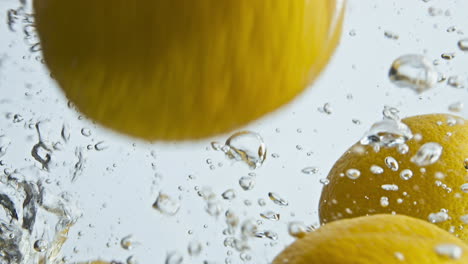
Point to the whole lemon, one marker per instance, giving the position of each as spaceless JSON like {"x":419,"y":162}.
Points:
{"x":177,"y":69}
{"x":378,"y":239}
{"x":423,"y":178}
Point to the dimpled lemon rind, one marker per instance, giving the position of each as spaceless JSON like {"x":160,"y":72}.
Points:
{"x":377,"y":239}
{"x":433,"y":189}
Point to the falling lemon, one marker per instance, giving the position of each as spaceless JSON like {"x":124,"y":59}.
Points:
{"x":424,"y":178}
{"x":388,"y":239}
{"x":175,"y":70}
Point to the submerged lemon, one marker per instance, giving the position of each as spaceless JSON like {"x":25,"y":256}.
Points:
{"x":378,"y":239}
{"x":173,"y":69}
{"x":399,"y":180}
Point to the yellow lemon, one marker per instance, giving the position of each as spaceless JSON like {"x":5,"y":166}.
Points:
{"x":424,"y":179}
{"x":176,"y":69}
{"x":378,"y":239}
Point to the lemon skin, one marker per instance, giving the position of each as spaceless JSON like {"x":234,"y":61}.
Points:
{"x":377,"y":239}
{"x":431,"y":189}
{"x":179,"y":70}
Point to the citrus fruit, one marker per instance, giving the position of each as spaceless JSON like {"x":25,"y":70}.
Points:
{"x":377,"y":239}
{"x":423,"y":178}
{"x":175,"y":70}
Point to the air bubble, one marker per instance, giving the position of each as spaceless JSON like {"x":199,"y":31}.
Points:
{"x":270,"y":215}
{"x":387,"y":133}
{"x":392,"y":163}
{"x":166,"y":205}
{"x":427,"y":154}
{"x":353,"y":174}
{"x":229,"y":194}
{"x":277,"y":199}
{"x":310,"y":170}
{"x":414,"y":72}
{"x":247,"y":183}
{"x":376,"y":169}
{"x":406,"y":174}
{"x":390,"y":187}
{"x":246,"y":146}
{"x":451,"y":251}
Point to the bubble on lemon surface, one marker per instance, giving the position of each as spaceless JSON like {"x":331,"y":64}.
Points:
{"x":438,"y":217}
{"x":390,"y":187}
{"x":166,"y":204}
{"x":414,"y":72}
{"x":464,"y":187}
{"x":384,"y":202}
{"x":428,"y":154}
{"x":464,"y":219}
{"x":392,"y":163}
{"x":451,"y":251}
{"x":297,"y":229}
{"x":245,"y":146}
{"x":387,"y":133}
{"x":353,"y":174}
{"x":375,"y":169}
{"x":406,"y":174}
{"x":403,"y":149}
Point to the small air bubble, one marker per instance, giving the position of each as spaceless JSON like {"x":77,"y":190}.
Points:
{"x":174,"y":258}
{"x":376,"y":169}
{"x":449,"y":250}
{"x":277,"y":199}
{"x":390,"y":187}
{"x":40,"y":245}
{"x":384,"y":201}
{"x":447,"y":55}
{"x":392,"y":163}
{"x":406,"y":174}
{"x":310,"y":170}
{"x":86,"y":132}
{"x":353,"y":174}
{"x":270,"y":215}
{"x":247,"y":183}
{"x":166,"y":205}
{"x":229,"y":194}
{"x":438,"y":217}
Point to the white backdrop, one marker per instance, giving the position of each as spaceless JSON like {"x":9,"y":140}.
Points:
{"x":117,"y":186}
